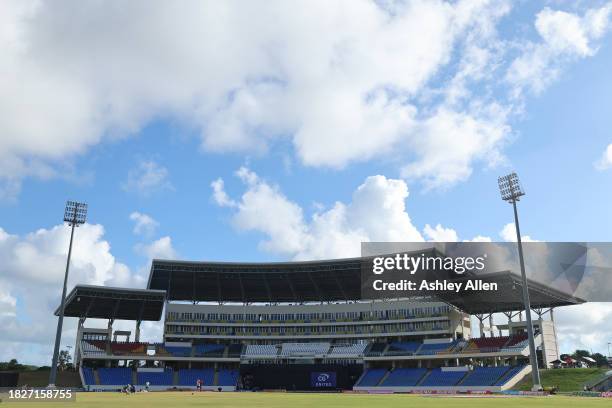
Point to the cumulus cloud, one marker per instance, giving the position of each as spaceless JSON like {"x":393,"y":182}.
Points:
{"x":31,"y":277}
{"x":143,"y":224}
{"x":159,"y":249}
{"x":605,"y":162}
{"x":440,"y":234}
{"x":342,"y":82}
{"x":584,"y":327}
{"x":565,"y":36}
{"x":376,"y":212}
{"x":146,"y":178}
{"x":219,"y":194}
{"x":508,"y":234}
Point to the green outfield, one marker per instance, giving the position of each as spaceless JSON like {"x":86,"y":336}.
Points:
{"x":296,"y":400}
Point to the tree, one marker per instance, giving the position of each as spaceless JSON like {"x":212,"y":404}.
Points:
{"x":602,"y":361}
{"x":64,"y":360}
{"x":581,"y":353}
{"x":11,"y":365}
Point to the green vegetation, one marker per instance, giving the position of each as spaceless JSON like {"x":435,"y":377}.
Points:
{"x":283,"y":400}
{"x":567,"y":379}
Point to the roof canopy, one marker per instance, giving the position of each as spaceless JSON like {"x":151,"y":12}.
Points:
{"x":508,"y":297}
{"x":103,"y":302}
{"x":258,"y":282}
{"x":330,"y":280}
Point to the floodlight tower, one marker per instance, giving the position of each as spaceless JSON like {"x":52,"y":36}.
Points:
{"x":75,"y":215}
{"x":511,"y":191}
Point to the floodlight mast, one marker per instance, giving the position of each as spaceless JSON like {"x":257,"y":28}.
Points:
{"x":75,"y":215}
{"x":511,"y":191}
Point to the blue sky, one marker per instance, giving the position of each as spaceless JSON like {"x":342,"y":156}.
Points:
{"x":310,"y":108}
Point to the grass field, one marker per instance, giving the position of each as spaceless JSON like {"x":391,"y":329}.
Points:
{"x":292,"y":400}
{"x":567,"y":379}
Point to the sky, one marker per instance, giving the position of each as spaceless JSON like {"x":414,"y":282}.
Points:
{"x":266,"y":131}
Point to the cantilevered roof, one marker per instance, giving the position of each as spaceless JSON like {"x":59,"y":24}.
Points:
{"x":508,"y":297}
{"x":104,"y":302}
{"x":311,"y":281}
{"x":329,"y":280}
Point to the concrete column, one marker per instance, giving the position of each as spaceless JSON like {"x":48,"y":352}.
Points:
{"x":137,"y":332}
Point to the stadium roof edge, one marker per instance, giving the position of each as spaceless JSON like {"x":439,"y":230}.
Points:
{"x":107,"y":302}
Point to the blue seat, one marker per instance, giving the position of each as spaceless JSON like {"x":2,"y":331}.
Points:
{"x":227,"y":377}
{"x":484,"y":376}
{"x":189,"y":377}
{"x":115,"y":376}
{"x":404,"y":377}
{"x":372,"y":377}
{"x":165,"y":377}
{"x":439,"y":378}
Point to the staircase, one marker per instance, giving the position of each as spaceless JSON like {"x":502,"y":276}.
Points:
{"x":384,"y":378}
{"x":427,"y":374}
{"x":134,"y":377}
{"x":467,"y":374}
{"x":96,"y":377}
{"x":216,"y":378}
{"x":175,"y":378}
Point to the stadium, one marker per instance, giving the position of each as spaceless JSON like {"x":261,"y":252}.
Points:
{"x":303,"y":326}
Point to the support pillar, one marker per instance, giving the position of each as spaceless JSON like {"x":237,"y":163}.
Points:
{"x":137,"y":332}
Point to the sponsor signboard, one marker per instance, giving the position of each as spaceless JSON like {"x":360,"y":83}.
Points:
{"x":323,"y":379}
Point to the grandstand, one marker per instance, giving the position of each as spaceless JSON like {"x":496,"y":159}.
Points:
{"x":300,"y":326}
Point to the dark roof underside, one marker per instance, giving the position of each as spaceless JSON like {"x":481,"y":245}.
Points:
{"x":332,"y":280}
{"x":508,"y":296}
{"x":102,"y":302}
{"x":251,"y":282}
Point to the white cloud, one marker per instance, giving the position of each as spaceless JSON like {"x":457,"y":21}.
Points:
{"x":31,"y":277}
{"x":565,"y":36}
{"x":147,"y":178}
{"x":605,"y":162}
{"x":342,"y":81}
{"x":143,"y":224}
{"x":440,"y":234}
{"x":159,"y":249}
{"x":584,"y":327}
{"x":219,"y":194}
{"x":508,"y":234}
{"x":376,"y":212}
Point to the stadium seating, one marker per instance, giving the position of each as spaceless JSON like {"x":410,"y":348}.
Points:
{"x":484,"y":376}
{"x":115,"y":376}
{"x":517,"y":342}
{"x":439,"y":378}
{"x":376,"y":349}
{"x":404,"y":377}
{"x":508,"y":375}
{"x":189,"y":377}
{"x":372,"y":377}
{"x":402,"y":348}
{"x":435,"y":348}
{"x":128,"y":348}
{"x":347,"y":350}
{"x":227,"y":377}
{"x":203,"y":350}
{"x":179,"y":351}
{"x":88,"y":376}
{"x":156,"y":378}
{"x":93,"y":348}
{"x":255,"y":350}
{"x":304,"y":349}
